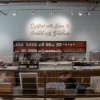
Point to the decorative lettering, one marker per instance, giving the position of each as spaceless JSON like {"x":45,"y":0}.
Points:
{"x":48,"y":30}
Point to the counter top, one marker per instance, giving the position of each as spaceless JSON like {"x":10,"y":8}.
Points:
{"x":86,"y":67}
{"x":53,"y":68}
{"x":55,"y":63}
{"x":10,"y":68}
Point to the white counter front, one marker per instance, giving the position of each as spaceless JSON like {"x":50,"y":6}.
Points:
{"x":51,"y":66}
{"x":63,"y":66}
{"x":55,"y":65}
{"x":9,"y":68}
{"x":86,"y":67}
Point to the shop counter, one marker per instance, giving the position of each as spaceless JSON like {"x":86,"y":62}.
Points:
{"x":12,"y":68}
{"x":51,"y":75}
{"x":90,"y":95}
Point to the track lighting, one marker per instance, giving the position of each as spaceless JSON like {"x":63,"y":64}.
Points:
{"x":52,"y":13}
{"x":14,"y":13}
{"x":33,"y":12}
{"x":3,"y":12}
{"x":47,"y":3}
{"x":72,"y":12}
{"x":88,"y":13}
{"x":80,"y":13}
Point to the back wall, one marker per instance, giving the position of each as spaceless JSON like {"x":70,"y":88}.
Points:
{"x":14,"y":28}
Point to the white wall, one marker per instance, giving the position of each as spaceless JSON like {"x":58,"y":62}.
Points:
{"x":13,"y":28}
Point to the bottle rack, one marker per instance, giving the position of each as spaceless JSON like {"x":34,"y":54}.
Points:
{"x":49,"y":46}
{"x":48,"y":49}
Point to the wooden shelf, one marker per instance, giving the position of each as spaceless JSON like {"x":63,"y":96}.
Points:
{"x":27,"y":48}
{"x":50,"y":46}
{"x":6,"y":87}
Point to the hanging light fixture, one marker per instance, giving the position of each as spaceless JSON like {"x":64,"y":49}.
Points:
{"x":14,"y":13}
{"x":33,"y":12}
{"x":88,"y":13}
{"x":52,"y":12}
{"x":72,"y":12}
{"x":48,"y":2}
{"x":80,"y":13}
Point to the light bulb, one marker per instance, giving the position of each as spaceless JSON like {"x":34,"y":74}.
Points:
{"x":88,"y":13}
{"x":14,"y":13}
{"x":52,"y":13}
{"x":80,"y":14}
{"x":33,"y":12}
{"x":72,"y":12}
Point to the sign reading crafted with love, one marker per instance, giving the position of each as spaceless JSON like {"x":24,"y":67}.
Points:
{"x":48,"y":30}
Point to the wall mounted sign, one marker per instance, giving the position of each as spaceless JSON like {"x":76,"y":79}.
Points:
{"x":40,"y":29}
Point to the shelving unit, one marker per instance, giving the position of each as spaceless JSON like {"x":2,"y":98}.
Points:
{"x":49,"y":50}
{"x":50,"y":46}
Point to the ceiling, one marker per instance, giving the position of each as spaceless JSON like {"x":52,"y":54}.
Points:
{"x":91,"y":5}
{"x":52,"y":1}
